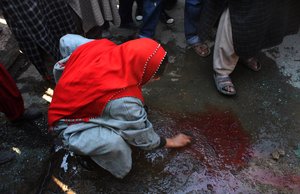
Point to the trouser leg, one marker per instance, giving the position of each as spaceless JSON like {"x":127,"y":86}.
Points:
{"x":192,"y":12}
{"x":225,"y":58}
{"x":151,"y":13}
{"x":125,"y":11}
{"x":104,"y":146}
{"x":139,"y":4}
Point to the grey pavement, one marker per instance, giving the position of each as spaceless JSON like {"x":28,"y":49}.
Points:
{"x":249,"y":143}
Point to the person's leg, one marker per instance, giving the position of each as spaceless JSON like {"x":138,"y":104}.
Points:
{"x":151,"y":13}
{"x":139,"y":10}
{"x":125,"y":11}
{"x":225,"y":58}
{"x":104,"y":146}
{"x":11,"y":101}
{"x":165,"y":17}
{"x":192,"y":12}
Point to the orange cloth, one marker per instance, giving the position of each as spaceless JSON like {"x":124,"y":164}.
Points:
{"x":100,"y":71}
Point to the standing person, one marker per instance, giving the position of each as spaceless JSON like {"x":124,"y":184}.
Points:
{"x":96,"y":16}
{"x":192,"y":13}
{"x":151,"y":14}
{"x":98,"y":106}
{"x":245,"y":28}
{"x":125,"y":11}
{"x":37,"y":26}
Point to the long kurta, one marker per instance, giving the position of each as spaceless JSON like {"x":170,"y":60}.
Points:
{"x":256,"y":24}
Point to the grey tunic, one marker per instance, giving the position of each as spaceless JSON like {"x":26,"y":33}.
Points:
{"x":106,"y":139}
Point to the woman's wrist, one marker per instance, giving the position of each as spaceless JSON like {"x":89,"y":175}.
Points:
{"x":162,"y":143}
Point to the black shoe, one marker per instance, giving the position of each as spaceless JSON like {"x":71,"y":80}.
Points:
{"x":6,"y":156}
{"x":87,"y":163}
{"x":165,"y":18}
{"x":139,"y":15}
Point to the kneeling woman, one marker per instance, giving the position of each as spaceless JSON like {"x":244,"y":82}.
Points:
{"x":98,"y":106}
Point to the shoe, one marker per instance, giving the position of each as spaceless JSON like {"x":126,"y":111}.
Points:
{"x":202,"y":49}
{"x":251,"y":63}
{"x":87,"y":163}
{"x":6,"y":156}
{"x":224,"y":85}
{"x":139,"y":18}
{"x":139,"y":15}
{"x":165,"y":18}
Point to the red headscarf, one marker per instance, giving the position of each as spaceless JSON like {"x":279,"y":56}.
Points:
{"x":100,"y":71}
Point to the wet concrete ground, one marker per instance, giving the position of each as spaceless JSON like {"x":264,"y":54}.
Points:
{"x":249,"y":143}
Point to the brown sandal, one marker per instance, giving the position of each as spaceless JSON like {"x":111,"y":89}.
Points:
{"x":251,"y":63}
{"x":202,"y":49}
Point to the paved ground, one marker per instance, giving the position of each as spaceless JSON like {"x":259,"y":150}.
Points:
{"x":249,"y":143}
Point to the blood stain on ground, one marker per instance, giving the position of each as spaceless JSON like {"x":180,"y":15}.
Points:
{"x":219,"y":140}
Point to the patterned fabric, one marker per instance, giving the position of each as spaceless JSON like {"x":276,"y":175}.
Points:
{"x":256,"y":24}
{"x":96,"y":12}
{"x":37,"y":25}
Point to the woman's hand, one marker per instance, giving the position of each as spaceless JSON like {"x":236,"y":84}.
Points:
{"x":180,"y":140}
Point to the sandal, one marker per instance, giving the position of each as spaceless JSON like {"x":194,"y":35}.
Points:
{"x":224,"y":85}
{"x":251,"y":63}
{"x":202,"y":50}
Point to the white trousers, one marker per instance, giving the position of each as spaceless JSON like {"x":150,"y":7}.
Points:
{"x":225,"y":58}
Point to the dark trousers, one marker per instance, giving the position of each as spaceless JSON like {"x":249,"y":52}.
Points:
{"x":11,"y":101}
{"x":125,"y":10}
{"x":151,"y":13}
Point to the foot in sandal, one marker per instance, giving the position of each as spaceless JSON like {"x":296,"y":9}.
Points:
{"x":251,"y":63}
{"x":202,"y":49}
{"x":224,"y":85}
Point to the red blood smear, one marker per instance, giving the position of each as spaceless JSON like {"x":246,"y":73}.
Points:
{"x":222,"y":145}
{"x":219,"y":140}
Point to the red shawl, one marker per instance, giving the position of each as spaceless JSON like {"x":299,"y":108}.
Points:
{"x":100,"y":71}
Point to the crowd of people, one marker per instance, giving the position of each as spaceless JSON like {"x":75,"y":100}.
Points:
{"x":98,"y":109}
